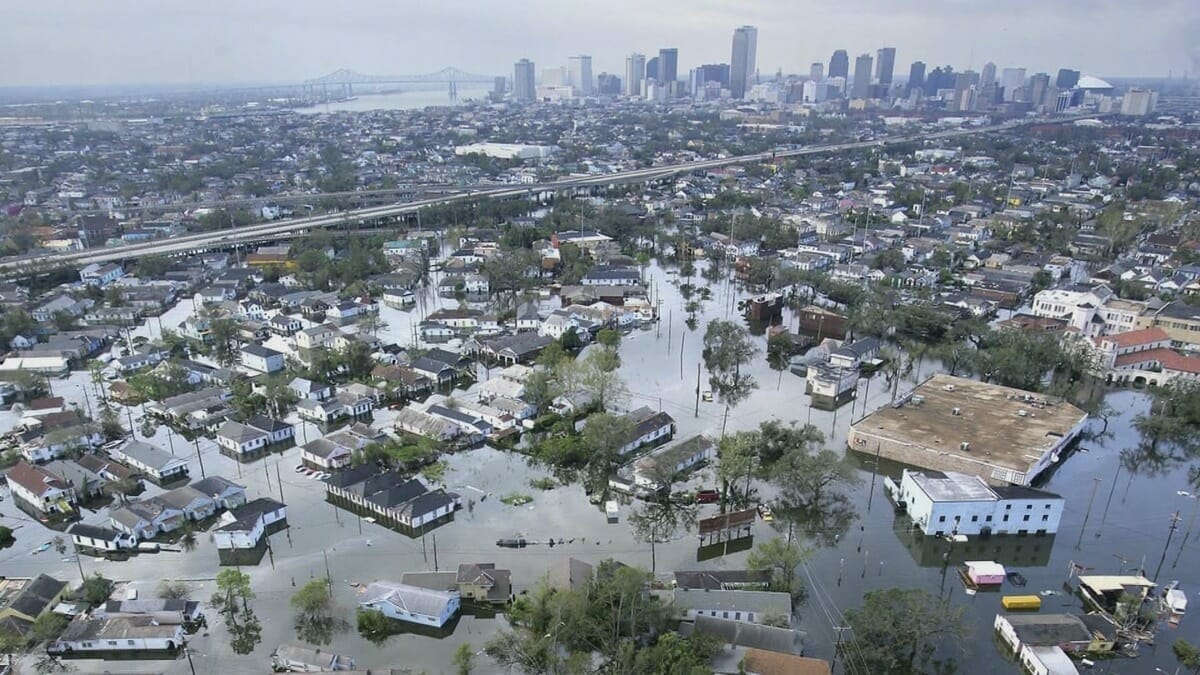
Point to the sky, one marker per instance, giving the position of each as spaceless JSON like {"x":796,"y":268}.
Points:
{"x":62,"y":42}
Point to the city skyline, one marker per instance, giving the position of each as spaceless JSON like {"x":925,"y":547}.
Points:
{"x":274,"y":42}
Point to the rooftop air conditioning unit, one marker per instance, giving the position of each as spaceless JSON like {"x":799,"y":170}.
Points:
{"x":964,"y":446}
{"x":956,"y":411}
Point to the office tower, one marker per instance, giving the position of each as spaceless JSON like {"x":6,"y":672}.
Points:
{"x":1067,"y":78}
{"x":1137,"y":102}
{"x":916,"y":77}
{"x":524,"y":88}
{"x":499,"y":84}
{"x":668,"y":65}
{"x":581,"y":74}
{"x":1013,"y":80}
{"x":839,"y":64}
{"x":608,"y":85}
{"x":741,"y":61}
{"x":885,"y":66}
{"x":635,"y":72}
{"x":964,"y":90}
{"x":862,"y":77}
{"x":988,"y":76}
{"x":816,"y":72}
{"x":652,"y":69}
{"x":716,"y":73}
{"x":1039,"y":88}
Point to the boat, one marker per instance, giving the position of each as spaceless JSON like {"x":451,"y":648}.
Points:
{"x":1016,"y":578}
{"x":1175,"y":599}
{"x":512,"y":543}
{"x":43,"y":547}
{"x":1016,"y":602}
{"x":611,"y":510}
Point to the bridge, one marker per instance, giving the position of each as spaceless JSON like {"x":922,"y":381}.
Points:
{"x":345,"y":80}
{"x":282,"y":229}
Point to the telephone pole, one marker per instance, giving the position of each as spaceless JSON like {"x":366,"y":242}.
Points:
{"x":1170,"y":533}
{"x":1095,"y":484}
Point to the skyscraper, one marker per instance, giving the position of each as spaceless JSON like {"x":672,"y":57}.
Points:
{"x":1067,"y":78}
{"x":816,"y":72}
{"x":635,"y":72}
{"x":916,"y":77}
{"x":1013,"y":81}
{"x":524,"y":88}
{"x":652,"y":68}
{"x":988,"y":75}
{"x":885,"y":66}
{"x":668,"y":65}
{"x":608,"y":85}
{"x":741,"y":61}
{"x":1039,"y":87}
{"x":839,"y":64}
{"x":716,"y":72}
{"x":581,"y":74}
{"x":862,"y":77}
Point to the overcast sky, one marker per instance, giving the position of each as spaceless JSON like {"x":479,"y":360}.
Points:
{"x":158,"y":41}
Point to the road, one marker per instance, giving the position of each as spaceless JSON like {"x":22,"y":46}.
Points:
{"x":282,"y":228}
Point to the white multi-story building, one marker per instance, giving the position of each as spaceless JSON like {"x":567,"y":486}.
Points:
{"x":941,"y":504}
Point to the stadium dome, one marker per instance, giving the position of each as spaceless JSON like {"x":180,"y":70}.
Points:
{"x":1091,"y":82}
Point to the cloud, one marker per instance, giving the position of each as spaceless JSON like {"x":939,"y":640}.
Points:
{"x":133,"y":41}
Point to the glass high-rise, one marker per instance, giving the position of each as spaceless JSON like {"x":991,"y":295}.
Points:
{"x":635,"y":72}
{"x":839,"y":64}
{"x":742,"y":60}
{"x":524,"y":86}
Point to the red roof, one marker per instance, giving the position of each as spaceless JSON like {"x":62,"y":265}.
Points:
{"x":1136,"y":337}
{"x":35,"y":479}
{"x":1170,"y":360}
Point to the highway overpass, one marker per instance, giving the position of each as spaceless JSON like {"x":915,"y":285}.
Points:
{"x":281,"y":229}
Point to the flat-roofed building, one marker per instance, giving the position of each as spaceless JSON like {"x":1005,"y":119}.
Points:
{"x":944,"y":503}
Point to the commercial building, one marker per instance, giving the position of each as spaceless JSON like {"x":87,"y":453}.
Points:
{"x":524,"y":81}
{"x":742,"y":60}
{"x":916,"y":77}
{"x":1001,"y":434}
{"x":861,"y":88}
{"x":956,"y":503}
{"x":507,"y":150}
{"x":839,"y":65}
{"x":579,"y":70}
{"x":885,"y":66}
{"x":635,"y":72}
{"x":1138,"y":102}
{"x":668,"y":65}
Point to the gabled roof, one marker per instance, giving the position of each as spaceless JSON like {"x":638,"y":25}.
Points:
{"x":36,"y":479}
{"x":411,"y":599}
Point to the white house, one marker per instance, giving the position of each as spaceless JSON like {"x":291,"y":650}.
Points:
{"x":102,"y":539}
{"x":101,"y":275}
{"x":245,"y":526}
{"x":649,"y":472}
{"x":153,"y":462}
{"x":307,"y":389}
{"x":262,"y":359}
{"x":954,"y":503}
{"x":240,"y":439}
{"x":298,"y":659}
{"x":748,"y":606}
{"x":411,"y":603}
{"x":649,"y":427}
{"x":41,"y":488}
{"x":119,"y":633}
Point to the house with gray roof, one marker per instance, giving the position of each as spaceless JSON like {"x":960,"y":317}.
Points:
{"x":412,"y":604}
{"x":151,"y":461}
{"x":750,"y":606}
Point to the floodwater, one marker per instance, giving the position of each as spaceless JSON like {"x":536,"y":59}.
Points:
{"x":400,"y":100}
{"x":1129,"y":522}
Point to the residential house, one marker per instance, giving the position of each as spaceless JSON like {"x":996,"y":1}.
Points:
{"x":300,"y":659}
{"x":482,"y":582}
{"x":101,"y":274}
{"x":749,"y":606}
{"x":1086,"y":634}
{"x":262,"y":359}
{"x":240,"y":440}
{"x":649,"y":427}
{"x":153,"y":462}
{"x":724,"y":580}
{"x":194,"y":504}
{"x":146,"y":519}
{"x":612,"y":276}
{"x":320,"y":336}
{"x":87,"y":483}
{"x":411,"y":603}
{"x":97,"y":539}
{"x":420,"y":423}
{"x":437,"y":371}
{"x":656,"y":470}
{"x":246,"y":527}
{"x":283,"y":324}
{"x":24,"y":599}
{"x":309,"y":390}
{"x":225,"y":493}
{"x":41,"y":489}
{"x":118,"y":635}
{"x":856,"y":353}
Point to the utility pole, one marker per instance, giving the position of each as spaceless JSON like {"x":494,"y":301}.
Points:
{"x":1095,"y":484}
{"x":435,"y":559}
{"x":199,"y":457}
{"x":1170,"y":533}
{"x":837,"y":649}
{"x":697,"y":390}
{"x":328,"y":576}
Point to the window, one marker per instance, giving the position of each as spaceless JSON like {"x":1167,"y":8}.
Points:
{"x":1025,"y":519}
{"x":941,"y":519}
{"x":725,"y":615}
{"x":1047,"y":506}
{"x":737,"y":616}
{"x":1006,"y":518}
{"x":129,"y":642}
{"x":1008,"y":507}
{"x":988,"y":519}
{"x":1045,"y":518}
{"x":974,"y":519}
{"x":1028,"y":506}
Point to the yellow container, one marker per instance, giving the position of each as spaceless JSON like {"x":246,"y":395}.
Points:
{"x":1021,"y":602}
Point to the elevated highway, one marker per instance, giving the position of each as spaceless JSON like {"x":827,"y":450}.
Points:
{"x":281,"y":229}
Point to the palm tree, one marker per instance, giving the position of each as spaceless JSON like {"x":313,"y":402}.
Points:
{"x":187,"y":537}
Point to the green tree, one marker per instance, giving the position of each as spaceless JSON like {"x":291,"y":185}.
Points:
{"x":658,"y":521}
{"x":224,"y":333}
{"x":11,"y":642}
{"x":609,"y":337}
{"x":897,"y":630}
{"x":779,"y":352}
{"x":464,"y":659}
{"x":174,"y":590}
{"x":6,"y":537}
{"x":95,"y":589}
{"x":1187,"y":654}
{"x":232,"y":600}
{"x":598,"y":373}
{"x":604,"y":435}
{"x":737,"y":458}
{"x":781,"y":558}
{"x":373,"y":625}
{"x":48,"y":627}
{"x":314,"y":612}
{"x":727,"y":349}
